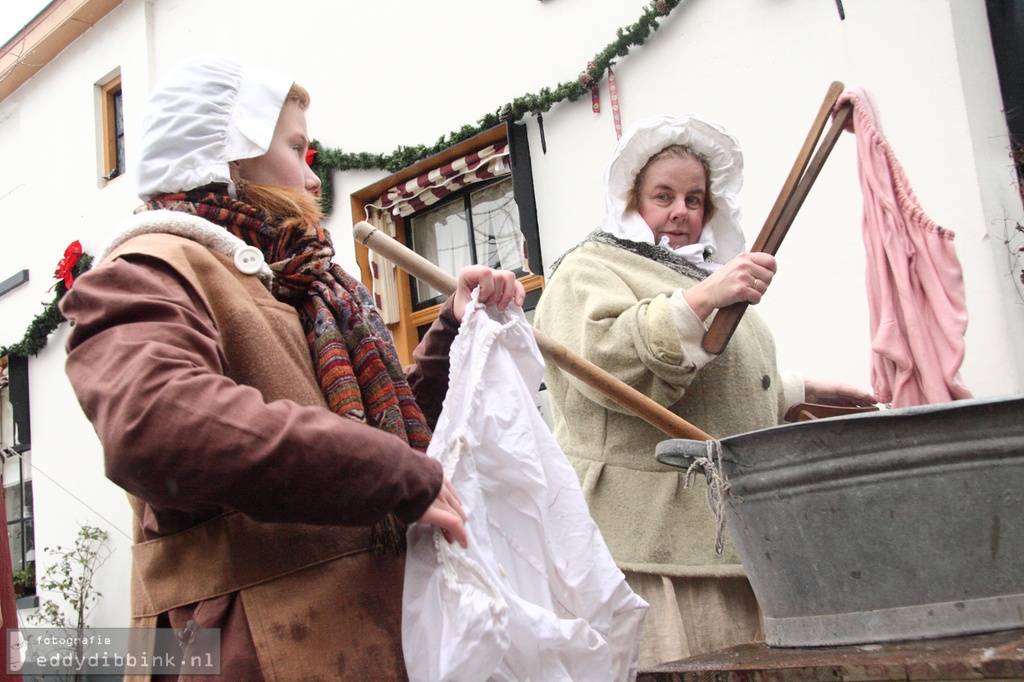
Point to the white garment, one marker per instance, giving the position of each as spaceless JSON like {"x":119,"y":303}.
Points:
{"x":536,"y":595}
{"x":203,"y":114}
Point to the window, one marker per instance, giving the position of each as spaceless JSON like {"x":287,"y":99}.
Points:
{"x":20,"y":534}
{"x":472,"y":203}
{"x":113,"y":129}
{"x":15,"y":447}
{"x":480,"y":226}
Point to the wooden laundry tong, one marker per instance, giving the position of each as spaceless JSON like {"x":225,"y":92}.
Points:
{"x":792,"y":196}
{"x":554,"y":352}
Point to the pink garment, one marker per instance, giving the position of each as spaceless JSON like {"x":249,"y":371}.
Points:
{"x":915,"y":286}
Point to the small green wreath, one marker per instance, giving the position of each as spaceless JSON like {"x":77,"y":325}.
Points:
{"x":38,"y":333}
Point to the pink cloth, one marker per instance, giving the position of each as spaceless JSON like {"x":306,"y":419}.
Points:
{"x":915,"y":286}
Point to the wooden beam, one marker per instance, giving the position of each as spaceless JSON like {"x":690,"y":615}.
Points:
{"x":58,"y":25}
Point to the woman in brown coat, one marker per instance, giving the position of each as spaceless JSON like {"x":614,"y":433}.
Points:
{"x":248,"y":396}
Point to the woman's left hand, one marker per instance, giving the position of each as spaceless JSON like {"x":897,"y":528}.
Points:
{"x":497,"y":287}
{"x":835,"y":393}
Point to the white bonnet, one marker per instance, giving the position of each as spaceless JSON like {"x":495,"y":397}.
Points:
{"x":648,"y":137}
{"x":204,"y":113}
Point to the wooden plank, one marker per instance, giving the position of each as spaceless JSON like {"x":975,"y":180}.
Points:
{"x":58,"y":25}
{"x":989,"y":656}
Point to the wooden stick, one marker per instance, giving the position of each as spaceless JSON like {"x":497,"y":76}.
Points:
{"x":622,"y":393}
{"x":774,"y":239}
{"x":768,"y":240}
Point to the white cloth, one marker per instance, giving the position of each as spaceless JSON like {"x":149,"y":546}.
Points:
{"x":202,"y":114}
{"x":722,"y":238}
{"x":536,"y":595}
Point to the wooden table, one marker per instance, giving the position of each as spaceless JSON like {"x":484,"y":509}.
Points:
{"x":991,"y":656}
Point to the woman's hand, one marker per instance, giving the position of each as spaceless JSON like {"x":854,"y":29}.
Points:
{"x":835,"y":393}
{"x":744,"y":279}
{"x":446,"y":513}
{"x":497,"y":287}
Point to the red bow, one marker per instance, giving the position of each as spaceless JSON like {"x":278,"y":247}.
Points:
{"x":67,"y":264}
{"x":310,"y":155}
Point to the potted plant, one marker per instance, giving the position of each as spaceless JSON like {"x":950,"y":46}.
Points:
{"x":24,"y":580}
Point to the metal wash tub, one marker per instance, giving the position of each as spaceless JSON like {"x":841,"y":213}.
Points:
{"x":891,"y":525}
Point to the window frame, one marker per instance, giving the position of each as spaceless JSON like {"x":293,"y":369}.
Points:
{"x":17,"y":452}
{"x":25,"y":522}
{"x":110,"y":115}
{"x":407,"y":331}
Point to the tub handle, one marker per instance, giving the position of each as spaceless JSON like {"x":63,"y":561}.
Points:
{"x":700,"y":456}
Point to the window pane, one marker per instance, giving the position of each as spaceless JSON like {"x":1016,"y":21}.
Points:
{"x":12,"y":470}
{"x":496,"y":226}
{"x":30,"y":541}
{"x":441,"y":235}
{"x":12,"y":502}
{"x":24,"y":467}
{"x":14,"y":535}
{"x":116,"y":101}
{"x":119,"y":131}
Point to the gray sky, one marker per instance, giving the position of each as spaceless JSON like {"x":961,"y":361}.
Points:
{"x":14,"y":14}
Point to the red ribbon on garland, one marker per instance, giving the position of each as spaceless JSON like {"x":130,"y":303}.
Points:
{"x":66,"y":266}
{"x":595,"y":94}
{"x":310,"y":155}
{"x":613,"y":93}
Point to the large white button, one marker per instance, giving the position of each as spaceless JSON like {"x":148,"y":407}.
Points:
{"x":248,"y":260}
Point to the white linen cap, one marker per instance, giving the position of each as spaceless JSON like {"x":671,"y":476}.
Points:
{"x":204,"y":113}
{"x":646,"y":138}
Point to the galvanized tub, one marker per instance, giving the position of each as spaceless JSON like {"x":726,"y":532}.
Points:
{"x":891,"y":525}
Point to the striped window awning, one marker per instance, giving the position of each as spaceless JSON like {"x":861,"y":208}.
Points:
{"x":429,"y":188}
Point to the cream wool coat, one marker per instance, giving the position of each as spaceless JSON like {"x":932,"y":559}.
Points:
{"x":612,"y":307}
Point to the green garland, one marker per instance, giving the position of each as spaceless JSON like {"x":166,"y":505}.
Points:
{"x":329,"y":160}
{"x":46,"y":322}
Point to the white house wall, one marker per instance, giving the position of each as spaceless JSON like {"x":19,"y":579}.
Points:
{"x":50,"y":176}
{"x":405,"y":72}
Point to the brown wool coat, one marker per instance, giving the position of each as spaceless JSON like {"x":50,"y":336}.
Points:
{"x":252,"y":501}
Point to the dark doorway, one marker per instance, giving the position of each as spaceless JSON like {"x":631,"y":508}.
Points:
{"x":1006,"y":22}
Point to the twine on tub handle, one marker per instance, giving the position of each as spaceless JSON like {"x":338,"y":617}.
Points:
{"x":718,"y":486}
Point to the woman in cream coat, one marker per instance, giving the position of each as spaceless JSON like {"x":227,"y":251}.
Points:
{"x":635,"y":298}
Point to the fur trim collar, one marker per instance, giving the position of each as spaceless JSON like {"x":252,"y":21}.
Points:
{"x":648,"y":251}
{"x":188,"y":226}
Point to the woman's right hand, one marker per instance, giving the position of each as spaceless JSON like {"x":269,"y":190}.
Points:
{"x":446,"y":513}
{"x":744,"y":279}
{"x":497,"y":287}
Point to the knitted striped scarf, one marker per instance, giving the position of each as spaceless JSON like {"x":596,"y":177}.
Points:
{"x":356,"y":363}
